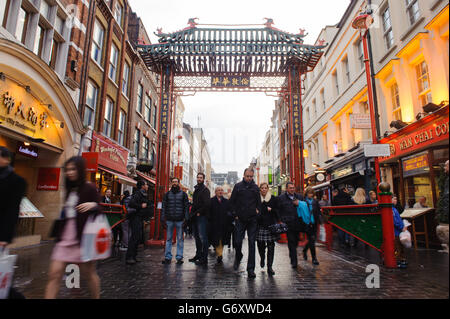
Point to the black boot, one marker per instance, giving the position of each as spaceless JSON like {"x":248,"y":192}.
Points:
{"x":262,"y":252}
{"x":270,"y":256}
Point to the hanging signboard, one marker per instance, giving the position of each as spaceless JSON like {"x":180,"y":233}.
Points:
{"x":164,"y":122}
{"x":230,"y":81}
{"x":48,"y":179}
{"x":27,"y":150}
{"x":377,"y":150}
{"x":110,"y":154}
{"x":296,"y":114}
{"x":415,"y":165}
{"x":91,"y":161}
{"x":360,"y":121}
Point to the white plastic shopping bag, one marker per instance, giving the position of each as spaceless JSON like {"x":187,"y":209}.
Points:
{"x":7,"y":263}
{"x":405,"y":239}
{"x":322,"y":234}
{"x":96,"y":239}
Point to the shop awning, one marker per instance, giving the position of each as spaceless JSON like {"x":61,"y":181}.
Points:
{"x":321,"y":186}
{"x":147,"y":178}
{"x":122,"y":178}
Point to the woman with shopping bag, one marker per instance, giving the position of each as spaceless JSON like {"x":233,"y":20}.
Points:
{"x":79,"y":215}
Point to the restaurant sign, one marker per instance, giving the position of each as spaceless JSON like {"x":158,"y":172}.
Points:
{"x":415,"y":165}
{"x":418,"y":139}
{"x":110,"y":154}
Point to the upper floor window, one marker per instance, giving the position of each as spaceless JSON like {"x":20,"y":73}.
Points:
{"x":423,"y":81}
{"x":360,"y":53}
{"x":59,"y":25}
{"x":121,"y":133}
{"x":4,"y":8}
{"x":139,"y":98}
{"x":387,"y":28}
{"x":336,"y":82}
{"x":113,"y":62}
{"x":118,"y":13}
{"x":396,"y":109}
{"x":45,"y":9}
{"x":412,"y":6}
{"x":314,"y":106}
{"x":322,"y":97}
{"x":145,"y":148}
{"x":54,"y":52}
{"x":91,"y":104}
{"x":107,"y":124}
{"x":39,"y":40}
{"x":126,"y":76}
{"x":22,"y":23}
{"x":155,"y":111}
{"x":137,"y":142}
{"x":307,"y":116}
{"x":148,"y":106}
{"x":97,"y":42}
{"x":346,"y":69}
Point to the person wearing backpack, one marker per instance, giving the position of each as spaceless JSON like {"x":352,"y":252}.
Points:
{"x":311,"y":217}
{"x":175,"y":210}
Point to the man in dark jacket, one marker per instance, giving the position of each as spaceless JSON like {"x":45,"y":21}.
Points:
{"x":175,"y":210}
{"x":245,"y":201}
{"x":287,"y":209}
{"x":138,"y":204}
{"x":220,"y":222}
{"x":199,"y":216}
{"x":12,"y":189}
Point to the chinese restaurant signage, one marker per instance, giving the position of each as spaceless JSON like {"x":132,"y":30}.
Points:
{"x":27,"y":150}
{"x":342,"y":172}
{"x":48,"y":179}
{"x":110,"y":154}
{"x":415,"y":165}
{"x":164,"y":122}
{"x":230,"y":81}
{"x":296,"y":114}
{"x":423,"y":136}
{"x":91,"y":161}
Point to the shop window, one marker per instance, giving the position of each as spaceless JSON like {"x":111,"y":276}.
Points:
{"x":412,"y":7}
{"x":113,"y":62}
{"x":4,"y":9}
{"x":423,"y":81}
{"x":137,"y":142}
{"x":416,"y":176}
{"x":387,"y":28}
{"x":125,"y":79}
{"x":91,"y":104}
{"x":22,"y":23}
{"x":139,"y":98}
{"x":147,"y":110}
{"x":395,"y":98}
{"x":107,"y":124}
{"x":97,"y":42}
{"x":122,"y":124}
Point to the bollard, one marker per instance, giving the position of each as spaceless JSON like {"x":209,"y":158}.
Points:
{"x":387,"y":224}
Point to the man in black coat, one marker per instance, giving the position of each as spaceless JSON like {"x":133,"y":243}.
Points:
{"x":199,"y":215}
{"x":245,"y":202}
{"x":220,"y":223}
{"x":12,"y":190}
{"x":287,"y":209}
{"x":137,"y":207}
{"x":175,"y":211}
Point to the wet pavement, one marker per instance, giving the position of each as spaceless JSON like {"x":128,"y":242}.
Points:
{"x":340,"y":275}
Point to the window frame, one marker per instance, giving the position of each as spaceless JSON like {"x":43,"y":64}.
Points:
{"x":147,"y":108}
{"x":145,"y":147}
{"x":97,"y":48}
{"x":5,"y":13}
{"x":25,"y":25}
{"x":409,"y":6}
{"x":121,"y":132}
{"x":92,"y":108}
{"x":114,"y":57}
{"x":423,"y":92}
{"x":395,"y":102}
{"x":108,"y":118}
{"x":137,"y":142}
{"x":388,"y":33}
{"x":139,"y":98}
{"x":125,"y":79}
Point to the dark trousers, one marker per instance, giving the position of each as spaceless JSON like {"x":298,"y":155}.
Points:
{"x":200,"y":230}
{"x":293,"y":238}
{"x":251,"y":227}
{"x":135,"y":224}
{"x":311,"y":245}
{"x":270,"y":252}
{"x":117,"y":233}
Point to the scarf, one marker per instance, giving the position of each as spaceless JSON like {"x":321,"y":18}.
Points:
{"x":266,"y":198}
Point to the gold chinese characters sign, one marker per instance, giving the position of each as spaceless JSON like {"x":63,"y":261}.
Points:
{"x":164,"y":123}
{"x":21,"y":112}
{"x":296,"y":114}
{"x":230,"y":81}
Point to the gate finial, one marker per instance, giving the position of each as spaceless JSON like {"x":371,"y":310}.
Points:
{"x":269,"y":22}
{"x":192,"y":23}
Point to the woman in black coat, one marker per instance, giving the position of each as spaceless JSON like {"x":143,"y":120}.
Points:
{"x":268,"y":216}
{"x":220,"y":223}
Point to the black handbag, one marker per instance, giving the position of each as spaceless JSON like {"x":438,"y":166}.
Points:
{"x":278,"y":229}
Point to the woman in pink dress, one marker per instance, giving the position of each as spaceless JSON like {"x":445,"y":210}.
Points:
{"x":82,"y":200}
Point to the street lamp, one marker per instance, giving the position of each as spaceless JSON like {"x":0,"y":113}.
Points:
{"x":362,"y":23}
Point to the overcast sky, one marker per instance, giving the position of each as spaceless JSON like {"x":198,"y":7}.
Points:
{"x":235,"y":123}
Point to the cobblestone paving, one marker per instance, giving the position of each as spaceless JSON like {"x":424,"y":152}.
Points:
{"x":340,"y":275}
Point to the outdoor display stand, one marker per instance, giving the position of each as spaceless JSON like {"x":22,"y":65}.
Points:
{"x":27,"y":218}
{"x":413,"y":214}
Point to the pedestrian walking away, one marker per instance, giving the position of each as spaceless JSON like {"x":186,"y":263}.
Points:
{"x":139,"y":206}
{"x":311,"y":219}
{"x":175,"y":212}
{"x":199,"y":217}
{"x":287,"y":210}
{"x":81,"y":201}
{"x":12,"y":190}
{"x":266,"y":218}
{"x":245,"y":202}
{"x":220,"y":223}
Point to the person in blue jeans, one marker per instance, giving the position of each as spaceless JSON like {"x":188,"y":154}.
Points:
{"x":175,"y":210}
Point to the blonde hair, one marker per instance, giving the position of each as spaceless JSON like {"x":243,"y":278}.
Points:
{"x":360,"y":196}
{"x":262,"y":184}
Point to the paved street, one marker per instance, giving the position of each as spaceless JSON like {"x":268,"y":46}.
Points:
{"x":341,"y":274}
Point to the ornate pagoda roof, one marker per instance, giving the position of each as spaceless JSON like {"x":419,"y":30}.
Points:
{"x":263,"y":51}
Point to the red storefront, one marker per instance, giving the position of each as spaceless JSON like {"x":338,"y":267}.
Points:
{"x":107,"y":164}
